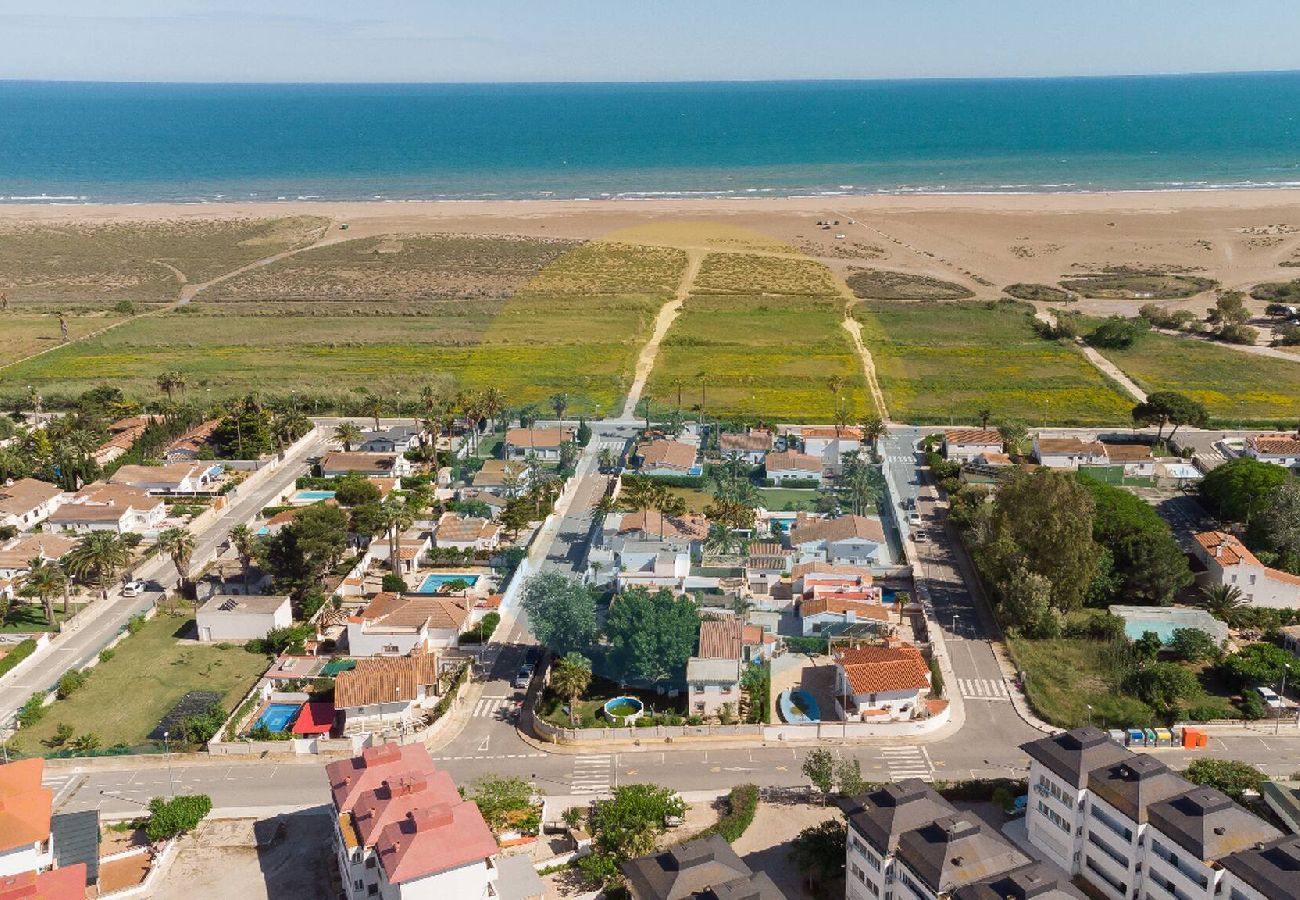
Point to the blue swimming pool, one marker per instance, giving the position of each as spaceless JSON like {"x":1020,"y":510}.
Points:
{"x":278,"y":716}
{"x":313,"y":496}
{"x":438,"y":580}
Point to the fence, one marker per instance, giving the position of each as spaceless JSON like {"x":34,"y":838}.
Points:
{"x":658,"y":733}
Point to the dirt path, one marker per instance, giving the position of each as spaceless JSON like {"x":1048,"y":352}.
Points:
{"x":1099,"y":362}
{"x":190,"y":291}
{"x":646,"y":361}
{"x":854,"y":328}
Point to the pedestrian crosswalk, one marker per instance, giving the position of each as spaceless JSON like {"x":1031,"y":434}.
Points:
{"x":908,"y":762}
{"x":488,"y":707}
{"x":63,"y":786}
{"x":591,"y":774}
{"x":983,"y":689}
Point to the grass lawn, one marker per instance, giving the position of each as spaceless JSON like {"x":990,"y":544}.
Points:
{"x":150,"y":671}
{"x":591,"y":708}
{"x":29,"y":615}
{"x":22,"y":334}
{"x":1234,"y":386}
{"x":776,"y":499}
{"x":944,"y":362}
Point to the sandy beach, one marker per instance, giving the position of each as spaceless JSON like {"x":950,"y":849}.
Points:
{"x":983,"y":241}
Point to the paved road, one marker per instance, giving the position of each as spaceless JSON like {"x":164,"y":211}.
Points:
{"x":107,"y":618}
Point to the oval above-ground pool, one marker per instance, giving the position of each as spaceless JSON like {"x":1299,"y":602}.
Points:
{"x":798,"y":707}
{"x":623,"y":710}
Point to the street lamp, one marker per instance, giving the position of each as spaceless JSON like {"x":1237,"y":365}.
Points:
{"x":171,"y":784}
{"x":1089,"y":705}
{"x":955,"y":617}
{"x":1277,"y":728}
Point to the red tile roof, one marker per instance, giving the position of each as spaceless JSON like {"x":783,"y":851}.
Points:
{"x":721,"y":639}
{"x":741,"y":442}
{"x":839,"y":529}
{"x":849,"y":433}
{"x":413,"y":611}
{"x":538,"y":438}
{"x":792,"y":461}
{"x":831,"y":603}
{"x":692,"y":527}
{"x":433,"y":839}
{"x":1275,"y":444}
{"x":877,"y":670}
{"x":667,"y":455}
{"x":980,"y":437}
{"x":64,"y":883}
{"x":829,"y":571}
{"x":1228,"y":550}
{"x":25,"y":806}
{"x":349,"y":778}
{"x":385,"y":679}
{"x":1070,"y":447}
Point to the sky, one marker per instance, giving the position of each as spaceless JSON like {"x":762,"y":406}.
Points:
{"x":650,"y":40}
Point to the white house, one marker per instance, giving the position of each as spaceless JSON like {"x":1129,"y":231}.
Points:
{"x":544,"y":443}
{"x":466,"y":532}
{"x":833,"y":612}
{"x":651,"y":563}
{"x":881,"y":684}
{"x":1227,"y":561}
{"x":16,"y":554}
{"x":1069,"y":453}
{"x":411,"y":547}
{"x":382,"y":465}
{"x":505,"y":478}
{"x":173,"y":478}
{"x":964,"y":445}
{"x":27,"y":502}
{"x":1278,"y":449}
{"x":109,"y":507}
{"x":1137,"y":459}
{"x":398,"y":439}
{"x":402,"y":831}
{"x":830,"y":444}
{"x":400,"y":624}
{"x":386,"y":692}
{"x":847,"y":540}
{"x":242,"y":617}
{"x":750,"y":446}
{"x":666,"y":457}
{"x":791,"y":465}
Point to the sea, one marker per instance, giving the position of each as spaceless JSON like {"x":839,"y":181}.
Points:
{"x":66,"y":142}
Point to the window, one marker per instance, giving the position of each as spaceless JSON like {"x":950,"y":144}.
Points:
{"x":726,"y":689}
{"x":1107,"y":849}
{"x":372,"y":890}
{"x":1101,"y":873}
{"x":857,"y":872}
{"x":1110,"y":822}
{"x":391,"y":648}
{"x":370,"y":862}
{"x":699,"y":689}
{"x":359,"y":884}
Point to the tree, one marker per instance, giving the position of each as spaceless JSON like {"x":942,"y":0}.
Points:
{"x":1222,"y":600}
{"x":606,"y":460}
{"x":848,"y":778}
{"x":354,"y":489}
{"x":1026,"y":605}
{"x":1015,"y":437}
{"x":245,"y":542}
{"x":570,"y":678}
{"x":1277,"y":528}
{"x":559,"y":403}
{"x":873,"y":429}
{"x":1148,"y":646}
{"x":1163,"y":686}
{"x":1256,"y":664}
{"x":396,"y":518}
{"x":169,"y":818}
{"x":1229,"y":309}
{"x":1192,"y":645}
{"x":1164,"y":408}
{"x":86,"y":744}
{"x":1116,"y":333}
{"x":178,"y":544}
{"x":819,"y":768}
{"x":1231,"y":776}
{"x":651,"y":636}
{"x":43,"y":580}
{"x":562,"y":612}
{"x":97,"y":557}
{"x":819,"y":851}
{"x":502,"y":799}
{"x":347,"y":434}
{"x":1148,"y":564}
{"x":300,"y":554}
{"x":628,"y":823}
{"x":1241,"y":488}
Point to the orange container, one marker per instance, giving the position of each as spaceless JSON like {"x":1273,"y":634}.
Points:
{"x":1190,"y":737}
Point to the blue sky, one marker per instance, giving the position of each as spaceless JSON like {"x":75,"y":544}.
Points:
{"x":618,"y":40}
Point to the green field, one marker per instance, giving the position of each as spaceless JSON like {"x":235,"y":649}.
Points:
{"x":765,"y":355}
{"x":126,"y":696}
{"x":1234,"y":386}
{"x":94,"y":266}
{"x":25,"y":333}
{"x":583,"y":341}
{"x":945,"y":362}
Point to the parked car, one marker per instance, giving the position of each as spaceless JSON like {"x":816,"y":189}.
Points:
{"x":914,"y":519}
{"x":133,"y":589}
{"x":1270,"y":697}
{"x":920,"y":537}
{"x":523,"y":676}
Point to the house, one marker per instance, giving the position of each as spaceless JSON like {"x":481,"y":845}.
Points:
{"x":832,"y":613}
{"x":544,"y":443}
{"x":1290,"y":637}
{"x":651,"y":563}
{"x":411,"y":547}
{"x":16,"y":554}
{"x":964,"y":445}
{"x":1268,"y":872}
{"x":27,"y":501}
{"x":705,"y":868}
{"x":192,"y":444}
{"x":1034,"y":881}
{"x":667,"y":457}
{"x":906,"y":841}
{"x":1129,"y":826}
{"x":1278,"y":449}
{"x":750,"y":446}
{"x":651,"y":524}
{"x":122,"y":437}
{"x":402,"y":830}
{"x":505,"y":478}
{"x":173,"y":478}
{"x":401,"y":624}
{"x":466,"y":532}
{"x":385,"y":692}
{"x":33,"y":861}
{"x":712,"y":683}
{"x":242,"y":617}
{"x":398,"y":439}
{"x":791,"y":465}
{"x":766,"y":565}
{"x":226,"y":576}
{"x":830,"y":444}
{"x":848,"y":540}
{"x":809,"y":578}
{"x":1069,"y":453}
{"x":383,"y":465}
{"x":109,"y":507}
{"x":1225,"y":560}
{"x":1137,"y":460}
{"x":881,"y":684}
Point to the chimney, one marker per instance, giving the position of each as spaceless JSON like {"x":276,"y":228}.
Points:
{"x":1218,"y":550}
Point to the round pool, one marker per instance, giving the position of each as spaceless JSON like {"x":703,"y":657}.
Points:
{"x":624,"y":710}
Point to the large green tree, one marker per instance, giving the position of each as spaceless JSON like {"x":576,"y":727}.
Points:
{"x":1148,"y":562}
{"x":1256,"y":664}
{"x":651,"y":635}
{"x":1276,"y":529}
{"x":562,"y":612}
{"x":1242,"y":488}
{"x":1231,"y":776}
{"x":1164,"y":408}
{"x":629,"y":822}
{"x":300,"y":554}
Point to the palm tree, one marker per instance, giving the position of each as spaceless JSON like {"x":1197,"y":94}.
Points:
{"x":873,"y":429}
{"x":643,"y":410}
{"x":570,"y":679}
{"x":373,"y":406}
{"x":244,"y":541}
{"x":493,"y":401}
{"x":178,"y":543}
{"x":43,"y":580}
{"x":984,"y":415}
{"x":559,"y":403}
{"x":703,"y":378}
{"x":605,"y":459}
{"x":677,"y":383}
{"x":721,"y":541}
{"x":168,"y":382}
{"x":669,"y":505}
{"x":1222,"y":600}
{"x":97,"y":557}
{"x":396,"y":518}
{"x":347,"y":433}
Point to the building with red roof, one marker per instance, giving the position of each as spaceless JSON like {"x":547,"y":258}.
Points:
{"x":403,"y":831}
{"x":67,"y":883}
{"x":25,"y":810}
{"x":1223,"y":560}
{"x":881,"y":683}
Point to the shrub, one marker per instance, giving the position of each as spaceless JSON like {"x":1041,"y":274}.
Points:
{"x":936,"y":678}
{"x":482,"y":632}
{"x":394,"y":584}
{"x":135,"y":623}
{"x":20,"y":652}
{"x":813,"y":646}
{"x":168,"y":818}
{"x":71,"y":681}
{"x":742,"y":803}
{"x":33,"y":710}
{"x":1232,"y":777}
{"x":1238,"y":334}
{"x":106,"y":655}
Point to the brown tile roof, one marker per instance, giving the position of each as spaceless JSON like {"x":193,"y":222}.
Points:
{"x":173,"y":473}
{"x":494,"y":471}
{"x":825,"y":568}
{"x":849,"y":433}
{"x":996,"y":459}
{"x":539,"y":438}
{"x":414,"y":611}
{"x":1070,"y":447}
{"x":453,"y":527}
{"x":1227,"y":550}
{"x":358,"y":462}
{"x":721,"y":639}
{"x":79,"y":512}
{"x":1128,"y":452}
{"x":876,"y":670}
{"x":829,"y":603}
{"x":768,"y":548}
{"x":121,"y":495}
{"x":838,"y":529}
{"x":748,"y":441}
{"x":976,"y":436}
{"x":667,"y":455}
{"x":25,"y":806}
{"x":384,"y":679}
{"x":22,"y":549}
{"x":24,"y":495}
{"x":692,"y":527}
{"x":195,"y":438}
{"x":792,"y":461}
{"x":1275,"y":444}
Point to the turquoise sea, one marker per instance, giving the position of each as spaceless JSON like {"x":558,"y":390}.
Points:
{"x":80,"y":142}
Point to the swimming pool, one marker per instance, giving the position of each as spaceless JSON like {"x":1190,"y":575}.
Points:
{"x":438,"y":580}
{"x":313,"y":496}
{"x":278,"y":716}
{"x":1165,"y":620}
